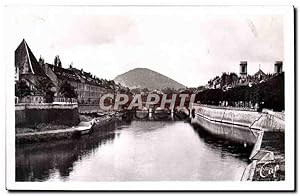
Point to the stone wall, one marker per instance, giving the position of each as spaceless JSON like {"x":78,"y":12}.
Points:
{"x":247,"y":118}
{"x":59,"y":114}
{"x":89,"y":108}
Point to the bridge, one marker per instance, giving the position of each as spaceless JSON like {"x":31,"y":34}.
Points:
{"x":154,"y":112}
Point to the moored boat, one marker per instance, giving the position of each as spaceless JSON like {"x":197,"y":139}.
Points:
{"x":85,"y":127}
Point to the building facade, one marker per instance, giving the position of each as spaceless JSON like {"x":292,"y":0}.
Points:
{"x":88,"y":88}
{"x":28,"y":70}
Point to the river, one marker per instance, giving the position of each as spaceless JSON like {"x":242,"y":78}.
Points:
{"x":135,"y":151}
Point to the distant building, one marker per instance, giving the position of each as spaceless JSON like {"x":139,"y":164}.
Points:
{"x":215,"y":83}
{"x":278,"y":67}
{"x":243,"y":69}
{"x":90,"y":88}
{"x":231,"y":80}
{"x":259,"y":75}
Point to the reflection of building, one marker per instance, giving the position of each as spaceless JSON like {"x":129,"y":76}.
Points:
{"x":278,"y":67}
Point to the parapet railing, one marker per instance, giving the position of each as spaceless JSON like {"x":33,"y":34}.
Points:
{"x":227,"y":107}
{"x":22,"y":106}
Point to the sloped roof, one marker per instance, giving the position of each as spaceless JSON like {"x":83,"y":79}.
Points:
{"x":86,"y":77}
{"x":259,"y":72}
{"x":62,"y":73}
{"x":24,"y":55}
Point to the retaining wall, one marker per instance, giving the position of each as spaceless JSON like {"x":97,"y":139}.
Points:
{"x":266,"y":120}
{"x":32,"y":114}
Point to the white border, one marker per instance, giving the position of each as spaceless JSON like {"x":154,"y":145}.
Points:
{"x":288,"y":184}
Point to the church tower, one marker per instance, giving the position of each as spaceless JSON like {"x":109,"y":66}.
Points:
{"x":243,"y":69}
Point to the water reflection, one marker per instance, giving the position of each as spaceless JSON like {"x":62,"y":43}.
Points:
{"x":140,"y":150}
{"x":37,"y":162}
{"x":228,"y":132}
{"x":219,"y":142}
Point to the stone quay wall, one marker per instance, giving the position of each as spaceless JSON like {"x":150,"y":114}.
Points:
{"x":31,"y":114}
{"x":266,"y":120}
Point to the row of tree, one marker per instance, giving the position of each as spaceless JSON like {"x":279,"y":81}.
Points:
{"x":268,"y":94}
{"x":45,"y":88}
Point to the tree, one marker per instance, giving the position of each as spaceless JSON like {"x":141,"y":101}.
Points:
{"x":169,"y":91}
{"x":233,"y":77}
{"x":67,"y":90}
{"x":22,"y":89}
{"x":135,"y":91}
{"x":45,"y":86}
{"x":41,"y":60}
{"x":57,"y":61}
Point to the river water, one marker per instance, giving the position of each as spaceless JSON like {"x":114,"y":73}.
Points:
{"x":134,"y":151}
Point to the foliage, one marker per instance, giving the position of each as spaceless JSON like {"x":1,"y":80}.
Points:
{"x":269,"y":93}
{"x":22,"y":89}
{"x":44,"y":86}
{"x":135,"y":91}
{"x":67,"y":90}
{"x":169,"y":91}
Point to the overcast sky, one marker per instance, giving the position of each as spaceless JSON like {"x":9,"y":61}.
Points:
{"x":188,"y":47}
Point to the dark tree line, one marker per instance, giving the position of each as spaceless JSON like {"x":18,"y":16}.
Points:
{"x":268,"y":94}
{"x":44,"y":87}
{"x":67,"y":90}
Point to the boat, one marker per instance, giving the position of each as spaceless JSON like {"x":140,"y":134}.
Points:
{"x":85,"y":127}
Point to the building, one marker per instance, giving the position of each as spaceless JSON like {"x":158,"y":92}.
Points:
{"x":243,"y":69}
{"x":228,"y":81}
{"x":59,"y":75}
{"x":259,"y":76}
{"x":88,"y":88}
{"x":278,"y":67}
{"x":28,"y":69}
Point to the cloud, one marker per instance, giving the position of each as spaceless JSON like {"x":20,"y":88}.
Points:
{"x":85,"y":30}
{"x":190,"y":48}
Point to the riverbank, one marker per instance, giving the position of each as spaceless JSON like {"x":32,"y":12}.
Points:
{"x":267,"y":159}
{"x":245,"y":117}
{"x":48,"y":132}
{"x":30,"y":115}
{"x":267,"y":127}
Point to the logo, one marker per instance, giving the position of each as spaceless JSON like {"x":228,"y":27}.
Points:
{"x":269,"y":169}
{"x":169,"y":101}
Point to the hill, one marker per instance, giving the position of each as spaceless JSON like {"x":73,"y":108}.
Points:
{"x":146,"y":78}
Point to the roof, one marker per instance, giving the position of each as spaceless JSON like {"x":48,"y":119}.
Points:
{"x":62,"y":73}
{"x":24,"y":56}
{"x":36,"y":91}
{"x":259,"y":72}
{"x":86,"y":77}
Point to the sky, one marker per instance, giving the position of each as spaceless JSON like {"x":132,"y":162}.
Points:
{"x":187,"y":45}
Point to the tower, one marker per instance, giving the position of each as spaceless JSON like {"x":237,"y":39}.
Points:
{"x":243,"y":69}
{"x":278,"y":67}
